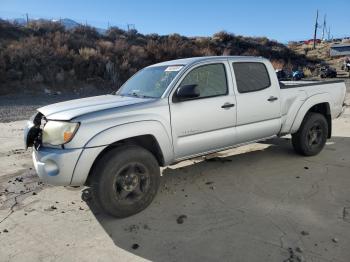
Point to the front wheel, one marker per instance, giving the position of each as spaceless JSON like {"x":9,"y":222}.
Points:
{"x":311,"y":136}
{"x":125,"y":180}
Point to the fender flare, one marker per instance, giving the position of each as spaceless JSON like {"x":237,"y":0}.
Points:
{"x":305,"y":107}
{"x":95,"y":146}
{"x":124,"y":131}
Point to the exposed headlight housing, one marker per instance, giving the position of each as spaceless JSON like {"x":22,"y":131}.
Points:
{"x":58,"y":132}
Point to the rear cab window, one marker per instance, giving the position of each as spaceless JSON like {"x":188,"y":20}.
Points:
{"x":251,"y":76}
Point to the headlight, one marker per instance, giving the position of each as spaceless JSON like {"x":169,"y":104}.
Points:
{"x":58,"y":132}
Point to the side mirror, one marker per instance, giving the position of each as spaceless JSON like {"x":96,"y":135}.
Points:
{"x":187,"y":92}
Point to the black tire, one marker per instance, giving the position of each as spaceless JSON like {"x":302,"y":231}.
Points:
{"x":311,"y":136}
{"x":114,"y":176}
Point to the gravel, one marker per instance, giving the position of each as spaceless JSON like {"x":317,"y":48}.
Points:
{"x":16,"y":107}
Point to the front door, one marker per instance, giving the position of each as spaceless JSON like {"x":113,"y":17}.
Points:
{"x":205,"y":123}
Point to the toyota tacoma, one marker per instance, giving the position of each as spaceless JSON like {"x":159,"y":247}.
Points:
{"x":168,"y":112}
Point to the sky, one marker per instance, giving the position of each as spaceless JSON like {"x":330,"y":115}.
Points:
{"x":279,"y":20}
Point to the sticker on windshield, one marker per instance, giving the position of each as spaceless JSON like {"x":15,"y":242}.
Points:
{"x":173,"y":68}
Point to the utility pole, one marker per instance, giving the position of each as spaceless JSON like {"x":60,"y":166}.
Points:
{"x":27,"y":19}
{"x":324,"y":28}
{"x":316,"y":26}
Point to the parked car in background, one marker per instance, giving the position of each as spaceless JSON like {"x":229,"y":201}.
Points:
{"x":346,"y":64}
{"x":297,"y":75}
{"x":311,"y":41}
{"x":169,"y":112}
{"x":284,"y":74}
{"x":328,"y":72}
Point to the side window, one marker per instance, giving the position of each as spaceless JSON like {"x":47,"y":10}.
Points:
{"x":251,"y":76}
{"x":210,"y":80}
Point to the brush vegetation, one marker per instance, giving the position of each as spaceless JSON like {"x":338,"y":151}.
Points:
{"x":44,"y":53}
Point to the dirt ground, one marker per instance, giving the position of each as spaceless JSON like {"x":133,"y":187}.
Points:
{"x":22,"y":106}
{"x":260,"y":202}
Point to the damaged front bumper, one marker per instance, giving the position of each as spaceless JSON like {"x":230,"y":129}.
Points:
{"x":56,"y":166}
{"x":33,"y":131}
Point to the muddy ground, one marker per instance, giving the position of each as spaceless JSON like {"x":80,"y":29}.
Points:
{"x":260,"y":202}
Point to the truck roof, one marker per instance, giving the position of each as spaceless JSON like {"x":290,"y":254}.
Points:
{"x":193,"y":60}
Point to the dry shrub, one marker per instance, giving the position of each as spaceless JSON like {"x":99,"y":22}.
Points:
{"x":104,"y":46}
{"x":42,"y":27}
{"x":45,"y":52}
{"x":87,"y":52}
{"x":223,"y":36}
{"x":277,"y":64}
{"x":307,"y":72}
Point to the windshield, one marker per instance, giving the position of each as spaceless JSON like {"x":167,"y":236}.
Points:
{"x":150,"y":82}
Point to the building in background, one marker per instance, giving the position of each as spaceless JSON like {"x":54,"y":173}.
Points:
{"x":340,"y":50}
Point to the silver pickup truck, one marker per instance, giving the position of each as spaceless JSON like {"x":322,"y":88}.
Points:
{"x":173,"y":111}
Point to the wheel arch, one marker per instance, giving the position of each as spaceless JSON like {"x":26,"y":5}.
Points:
{"x":320,"y":103}
{"x":156,"y":140}
{"x":147,"y":142}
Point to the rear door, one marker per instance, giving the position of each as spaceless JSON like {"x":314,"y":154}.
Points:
{"x":258,"y":101}
{"x":205,"y":123}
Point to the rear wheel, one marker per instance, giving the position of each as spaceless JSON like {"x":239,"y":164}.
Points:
{"x":125,"y":180}
{"x":311,"y":136}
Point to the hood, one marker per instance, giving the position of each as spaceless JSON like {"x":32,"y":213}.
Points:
{"x":77,"y":107}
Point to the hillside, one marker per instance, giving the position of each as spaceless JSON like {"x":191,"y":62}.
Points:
{"x":321,"y":52}
{"x":46,"y":54}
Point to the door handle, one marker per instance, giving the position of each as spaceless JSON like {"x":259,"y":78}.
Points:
{"x":272,"y":98}
{"x":227,"y":105}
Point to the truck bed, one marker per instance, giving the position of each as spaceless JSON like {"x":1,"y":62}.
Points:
{"x":298,"y":94}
